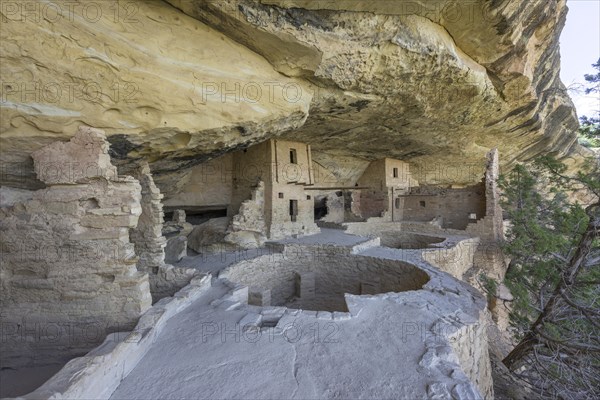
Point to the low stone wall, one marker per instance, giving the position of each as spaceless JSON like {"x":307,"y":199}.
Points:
{"x":336,"y":271}
{"x":168,"y":280}
{"x":373,"y":228}
{"x":463,"y":341}
{"x":408,"y":240}
{"x":455,"y":255}
{"x":470,"y":344}
{"x":97,"y":374}
{"x":456,"y":259}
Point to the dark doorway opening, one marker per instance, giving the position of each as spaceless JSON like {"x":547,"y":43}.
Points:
{"x":293,"y":210}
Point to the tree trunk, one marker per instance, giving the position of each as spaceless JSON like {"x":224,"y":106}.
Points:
{"x":520,"y":351}
{"x":568,"y":278}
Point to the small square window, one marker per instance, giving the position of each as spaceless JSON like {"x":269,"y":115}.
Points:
{"x":280,"y":195}
{"x":395,"y":172}
{"x":422,"y":203}
{"x":308,"y":197}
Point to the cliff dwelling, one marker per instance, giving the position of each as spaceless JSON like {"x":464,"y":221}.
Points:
{"x":261,"y":199}
{"x":119,"y":259}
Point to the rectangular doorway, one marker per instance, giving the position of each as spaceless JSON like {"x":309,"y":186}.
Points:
{"x":293,"y":210}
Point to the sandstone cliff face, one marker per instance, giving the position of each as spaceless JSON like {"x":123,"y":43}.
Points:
{"x":144,"y":76}
{"x":434,"y":83}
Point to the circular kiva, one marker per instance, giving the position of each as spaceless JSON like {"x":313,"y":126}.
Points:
{"x":318,"y":282}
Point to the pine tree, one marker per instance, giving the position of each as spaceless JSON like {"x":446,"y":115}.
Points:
{"x":590,"y":126}
{"x":554,"y":276}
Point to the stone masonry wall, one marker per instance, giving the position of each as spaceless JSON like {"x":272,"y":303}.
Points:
{"x":150,"y":243}
{"x":470,"y":343}
{"x":454,"y":206}
{"x":281,"y":224}
{"x":147,"y":235}
{"x":337,"y":271}
{"x":247,"y":228}
{"x":68,"y":268}
{"x":490,"y":228}
{"x":455,"y":260}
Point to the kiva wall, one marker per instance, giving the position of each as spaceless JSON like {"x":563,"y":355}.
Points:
{"x":337,"y":271}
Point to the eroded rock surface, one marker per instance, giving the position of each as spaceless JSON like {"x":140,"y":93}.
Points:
{"x":176,"y":249}
{"x":144,"y":76}
{"x":208,"y":234}
{"x":434,"y":83}
{"x":68,"y":268}
{"x":430,"y":82}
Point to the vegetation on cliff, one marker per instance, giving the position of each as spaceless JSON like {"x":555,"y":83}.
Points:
{"x":554,"y":276}
{"x":589,"y":132}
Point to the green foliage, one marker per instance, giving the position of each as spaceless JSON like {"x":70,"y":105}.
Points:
{"x":593,"y":79}
{"x":589,"y":131}
{"x":543,"y":224}
{"x":547,"y":227}
{"x":489,"y":285}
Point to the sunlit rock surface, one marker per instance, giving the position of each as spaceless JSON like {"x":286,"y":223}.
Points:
{"x":434,"y":83}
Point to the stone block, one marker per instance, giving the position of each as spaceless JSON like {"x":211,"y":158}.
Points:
{"x":250,"y":320}
{"x":305,"y":285}
{"x":324,"y":315}
{"x":176,"y":249}
{"x":179,"y":216}
{"x":84,"y":156}
{"x":240,"y":293}
{"x":206,"y":234}
{"x":259,"y":298}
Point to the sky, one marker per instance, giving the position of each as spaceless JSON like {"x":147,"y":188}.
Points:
{"x":579,"y":49}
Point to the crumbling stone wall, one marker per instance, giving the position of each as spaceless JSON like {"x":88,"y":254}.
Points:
{"x":337,"y":206}
{"x":284,"y":181}
{"x":247,"y":228}
{"x":68,"y":268}
{"x":150,"y":243}
{"x":334,"y":205}
{"x":455,"y":206}
{"x":489,"y":258}
{"x":147,"y":235}
{"x":249,"y":167}
{"x":336,"y":271}
{"x":490,"y":227}
{"x":455,"y":260}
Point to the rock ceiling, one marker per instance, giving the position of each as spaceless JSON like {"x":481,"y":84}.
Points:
{"x":177,"y":83}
